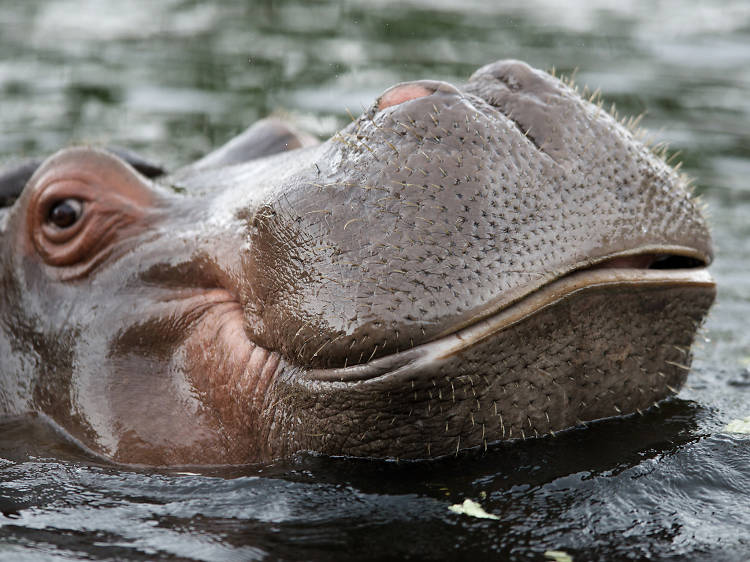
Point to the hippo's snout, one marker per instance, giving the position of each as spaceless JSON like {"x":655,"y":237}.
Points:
{"x":442,"y":206}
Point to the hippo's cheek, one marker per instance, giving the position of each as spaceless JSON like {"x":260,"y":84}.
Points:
{"x":184,"y":387}
{"x":231,"y":377}
{"x":153,"y":417}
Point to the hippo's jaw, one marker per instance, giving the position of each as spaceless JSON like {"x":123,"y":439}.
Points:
{"x":590,"y":345}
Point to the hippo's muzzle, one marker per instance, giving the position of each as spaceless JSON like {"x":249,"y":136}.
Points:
{"x":488,"y":262}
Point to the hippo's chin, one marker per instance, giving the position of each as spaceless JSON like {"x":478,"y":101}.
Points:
{"x":562,"y":363}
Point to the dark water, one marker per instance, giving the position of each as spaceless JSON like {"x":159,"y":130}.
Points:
{"x":176,"y":77}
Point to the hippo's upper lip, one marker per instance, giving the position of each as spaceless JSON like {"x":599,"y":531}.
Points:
{"x":410,"y":361}
{"x":657,"y":257}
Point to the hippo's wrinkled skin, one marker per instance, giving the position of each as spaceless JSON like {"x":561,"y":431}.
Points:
{"x":458,"y":266}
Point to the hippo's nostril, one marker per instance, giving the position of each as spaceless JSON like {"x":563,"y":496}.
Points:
{"x":403,"y":93}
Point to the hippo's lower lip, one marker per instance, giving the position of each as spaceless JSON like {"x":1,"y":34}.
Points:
{"x":409,"y":362}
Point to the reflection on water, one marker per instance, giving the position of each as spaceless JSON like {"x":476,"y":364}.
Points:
{"x":174,"y":78}
{"x":547,"y":492}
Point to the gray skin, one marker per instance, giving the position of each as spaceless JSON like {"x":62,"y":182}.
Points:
{"x":460,"y":265}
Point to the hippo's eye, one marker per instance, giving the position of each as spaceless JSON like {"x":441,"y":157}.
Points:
{"x":65,"y":213}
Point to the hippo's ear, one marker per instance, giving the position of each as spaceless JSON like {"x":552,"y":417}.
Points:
{"x":13,"y":180}
{"x":266,"y":137}
{"x":79,"y":204}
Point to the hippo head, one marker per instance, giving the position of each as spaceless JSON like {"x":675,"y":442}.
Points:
{"x":458,"y":266}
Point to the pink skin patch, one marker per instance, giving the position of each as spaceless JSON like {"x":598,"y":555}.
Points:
{"x":400,"y":94}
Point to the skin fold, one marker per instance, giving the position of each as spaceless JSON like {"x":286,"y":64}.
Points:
{"x":460,"y":265}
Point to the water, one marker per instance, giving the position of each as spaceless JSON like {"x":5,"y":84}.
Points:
{"x":175,"y":78}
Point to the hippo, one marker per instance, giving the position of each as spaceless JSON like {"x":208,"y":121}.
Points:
{"x":461,"y":265}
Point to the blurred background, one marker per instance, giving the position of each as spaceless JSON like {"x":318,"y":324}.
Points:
{"x":174,"y":78}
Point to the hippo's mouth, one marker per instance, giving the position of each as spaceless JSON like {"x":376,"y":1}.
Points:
{"x":646,"y":270}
